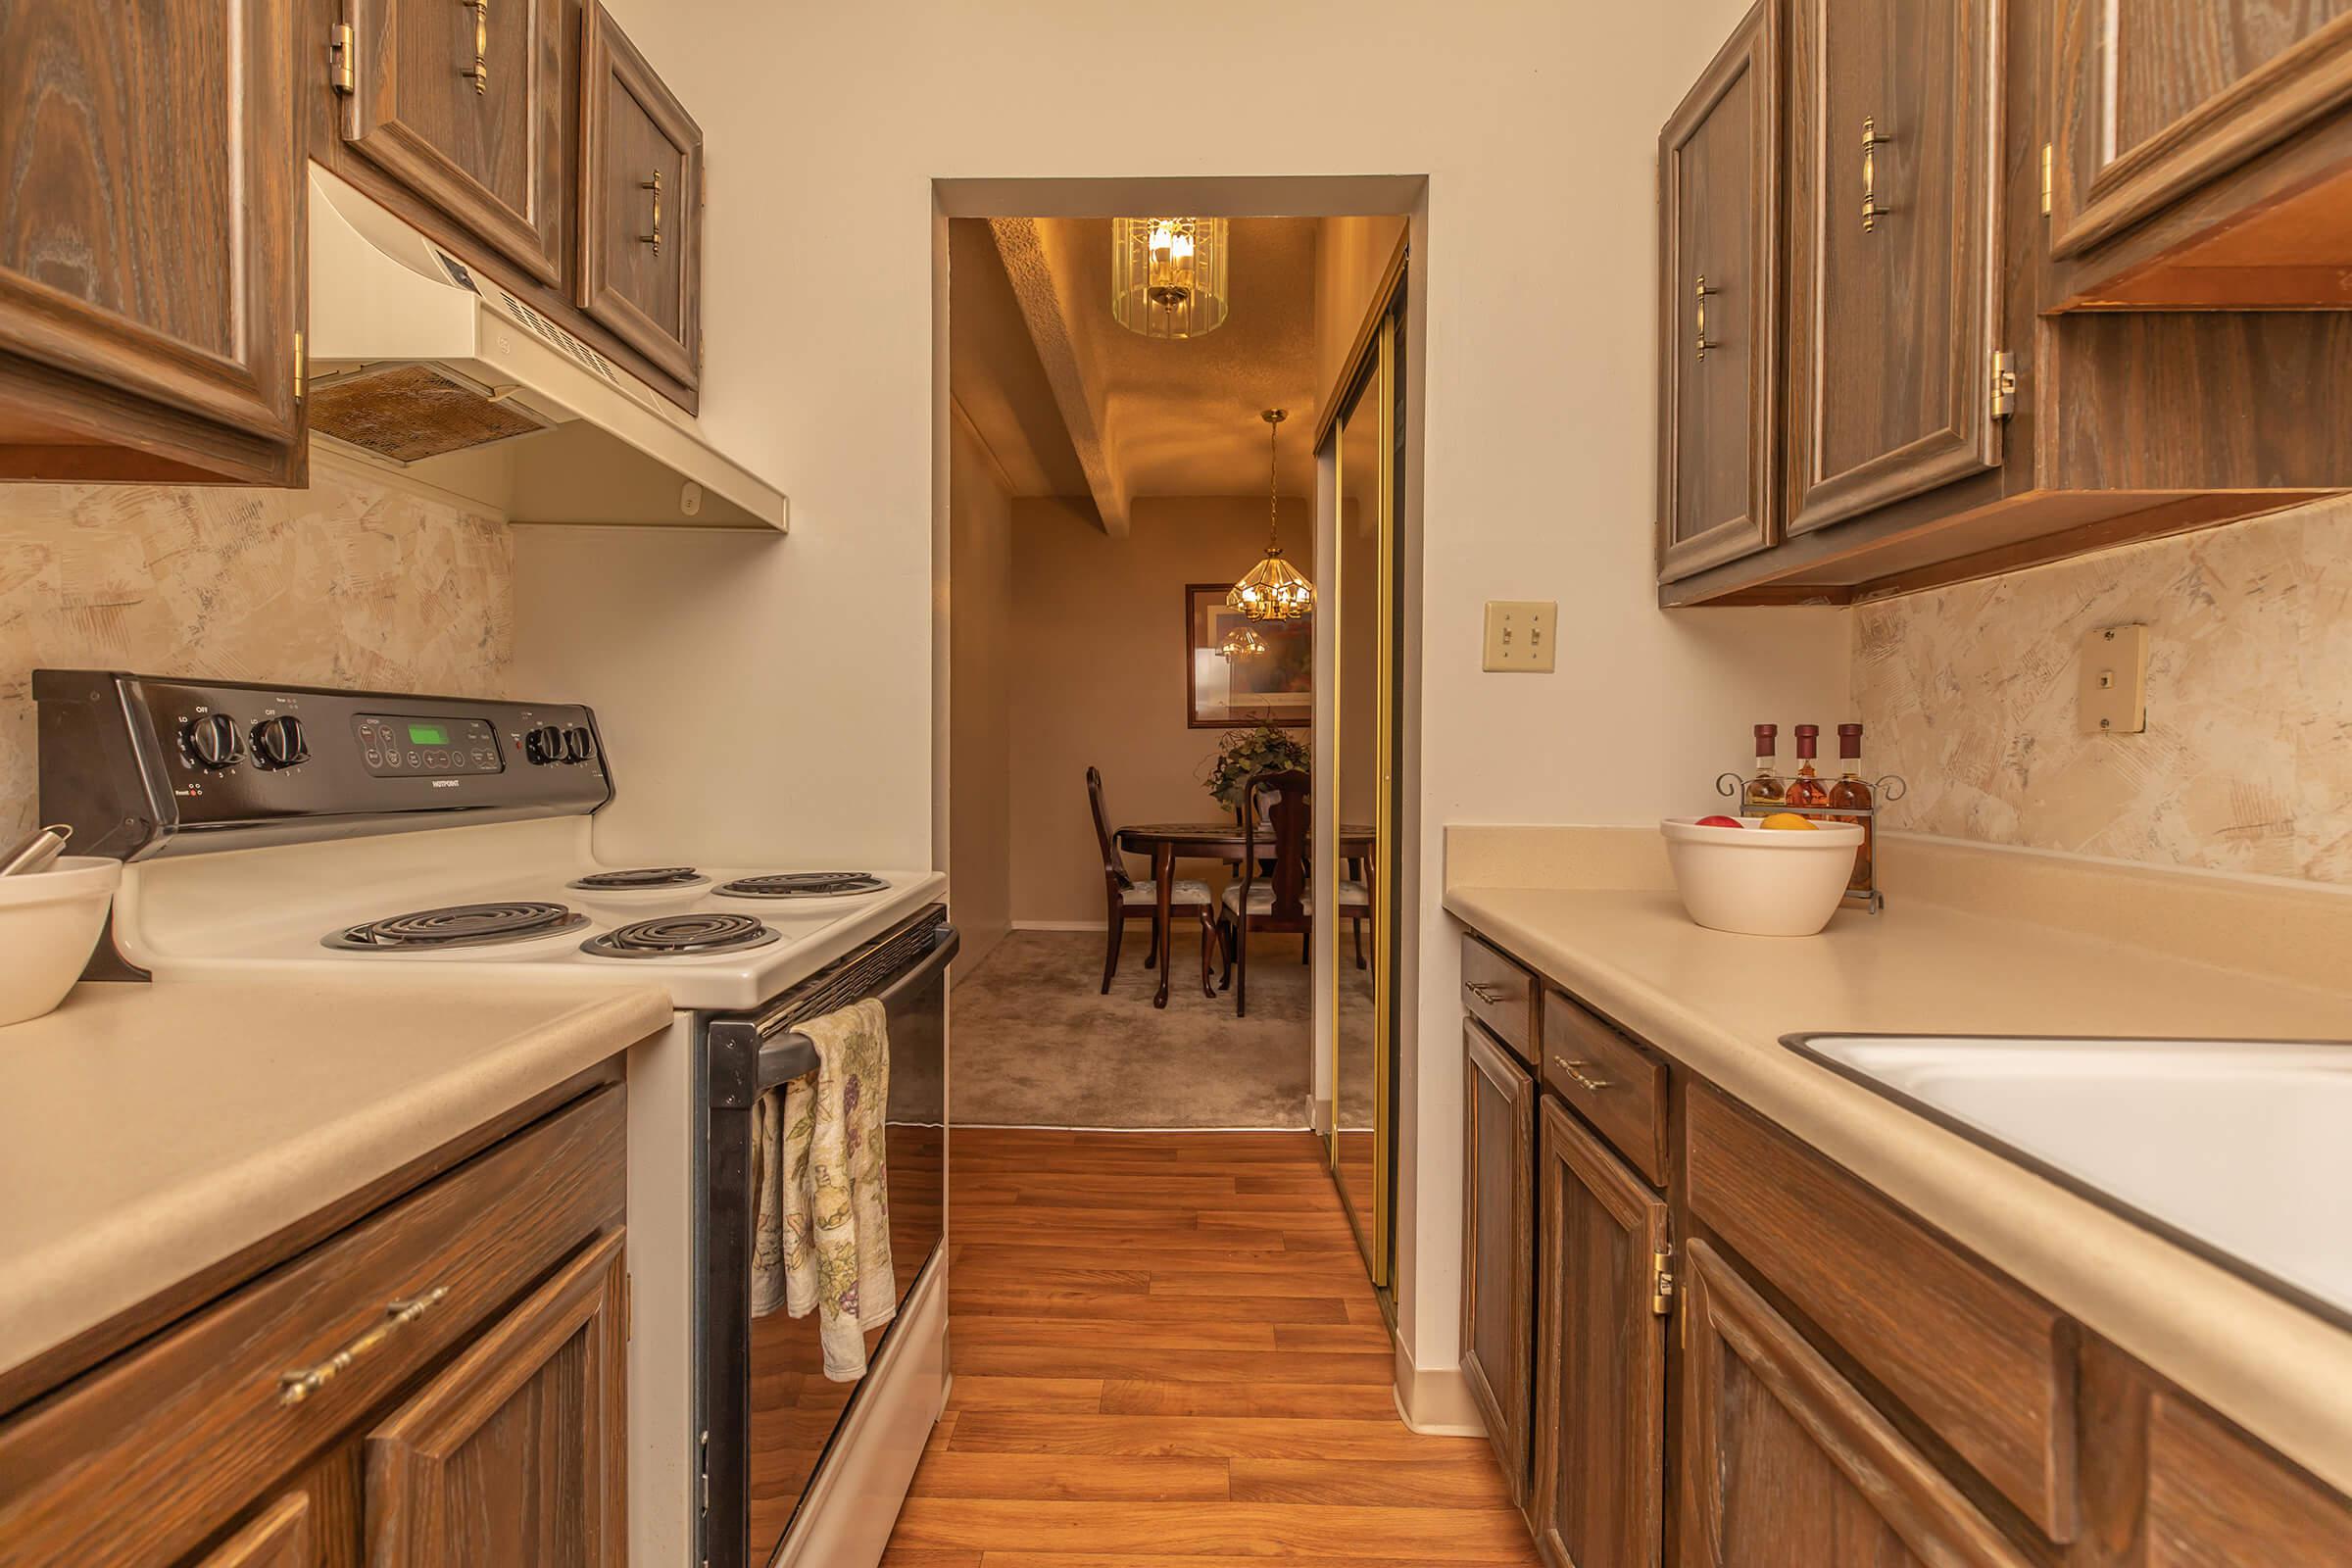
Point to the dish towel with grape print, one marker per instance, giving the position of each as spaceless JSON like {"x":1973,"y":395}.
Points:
{"x":821,"y":1184}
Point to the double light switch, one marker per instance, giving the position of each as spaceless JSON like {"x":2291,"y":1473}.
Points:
{"x":1519,"y":633}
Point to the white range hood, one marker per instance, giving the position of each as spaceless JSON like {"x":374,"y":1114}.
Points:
{"x":420,"y":363}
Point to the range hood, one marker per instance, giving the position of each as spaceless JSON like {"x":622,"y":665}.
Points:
{"x":420,"y":363}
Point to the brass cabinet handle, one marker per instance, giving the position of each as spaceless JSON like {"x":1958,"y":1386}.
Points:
{"x":1482,"y":992}
{"x":1701,"y":291}
{"x":1585,"y":1080}
{"x":481,"y":69}
{"x":1872,"y":208}
{"x":655,"y":238}
{"x":295,"y":1386}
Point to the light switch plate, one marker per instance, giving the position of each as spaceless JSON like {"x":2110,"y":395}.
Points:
{"x":2115,"y":681}
{"x":1519,"y":633}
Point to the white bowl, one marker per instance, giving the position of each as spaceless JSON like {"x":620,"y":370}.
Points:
{"x":49,"y":921}
{"x":1761,"y":881}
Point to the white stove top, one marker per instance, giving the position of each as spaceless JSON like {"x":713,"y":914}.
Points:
{"x":271,"y":911}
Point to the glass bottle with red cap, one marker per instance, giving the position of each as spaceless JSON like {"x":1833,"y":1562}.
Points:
{"x":1807,"y":789}
{"x":1852,"y":791}
{"x":1764,"y":785}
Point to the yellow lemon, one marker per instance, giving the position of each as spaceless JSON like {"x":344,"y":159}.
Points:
{"x":1789,"y":822}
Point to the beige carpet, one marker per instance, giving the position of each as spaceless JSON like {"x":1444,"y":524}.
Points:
{"x":1036,"y":1045}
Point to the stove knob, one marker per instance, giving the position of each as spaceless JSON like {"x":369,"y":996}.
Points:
{"x":278,"y":741}
{"x":544,"y":745}
{"x":214,"y":740}
{"x":578,"y":745}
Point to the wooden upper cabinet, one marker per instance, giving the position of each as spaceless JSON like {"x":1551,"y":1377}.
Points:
{"x":1499,"y":1246}
{"x":150,"y":293}
{"x":464,"y":104}
{"x":1783,"y":1461}
{"x":1600,"y":1359}
{"x":2154,"y":102}
{"x":1895,"y":253}
{"x":641,"y":201}
{"x":514,"y":1453}
{"x":1719,"y":161}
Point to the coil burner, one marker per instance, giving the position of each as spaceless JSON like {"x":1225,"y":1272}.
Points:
{"x":459,"y":925}
{"x":642,"y":878}
{"x":804,"y":885}
{"x":678,"y":935}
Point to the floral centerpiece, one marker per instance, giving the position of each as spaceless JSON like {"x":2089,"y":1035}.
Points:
{"x":1244,"y":754}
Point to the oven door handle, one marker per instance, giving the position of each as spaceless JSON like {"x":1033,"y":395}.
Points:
{"x":793,"y":1055}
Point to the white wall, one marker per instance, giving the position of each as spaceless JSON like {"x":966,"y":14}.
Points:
{"x":1534,"y":297}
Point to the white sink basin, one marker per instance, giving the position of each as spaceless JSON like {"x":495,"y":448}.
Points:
{"x":2238,"y":1150}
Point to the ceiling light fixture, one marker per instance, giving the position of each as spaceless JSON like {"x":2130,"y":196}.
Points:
{"x":1167,"y":275}
{"x":1274,"y":589}
{"x":1241,"y":643}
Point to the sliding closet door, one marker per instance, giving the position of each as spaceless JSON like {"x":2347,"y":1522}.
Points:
{"x":1361,"y":594}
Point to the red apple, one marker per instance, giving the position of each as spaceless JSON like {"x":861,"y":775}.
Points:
{"x":1720,"y":822}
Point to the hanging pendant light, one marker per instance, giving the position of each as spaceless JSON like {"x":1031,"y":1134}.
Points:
{"x":1167,"y":275}
{"x":1274,"y":589}
{"x":1241,"y":643}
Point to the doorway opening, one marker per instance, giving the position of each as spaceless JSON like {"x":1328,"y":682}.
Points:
{"x":1114,"y":728}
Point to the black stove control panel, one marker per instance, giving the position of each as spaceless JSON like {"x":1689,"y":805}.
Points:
{"x":411,"y":744}
{"x":147,"y":764}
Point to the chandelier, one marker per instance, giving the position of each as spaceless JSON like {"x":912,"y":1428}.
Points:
{"x":1241,"y":643}
{"x":1167,"y":275}
{"x":1274,"y":589}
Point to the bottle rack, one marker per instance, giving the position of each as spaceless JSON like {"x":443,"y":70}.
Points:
{"x":1887,"y":787}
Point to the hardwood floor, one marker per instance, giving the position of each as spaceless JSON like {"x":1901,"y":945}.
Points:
{"x":1166,"y":1353}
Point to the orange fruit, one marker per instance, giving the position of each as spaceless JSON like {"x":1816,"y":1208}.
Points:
{"x":1790,"y":822}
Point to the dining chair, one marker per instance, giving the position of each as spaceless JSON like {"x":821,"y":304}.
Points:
{"x":1128,"y":900}
{"x":1277,"y":806}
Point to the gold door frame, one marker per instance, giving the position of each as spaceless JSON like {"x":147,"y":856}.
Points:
{"x":1371,"y":372}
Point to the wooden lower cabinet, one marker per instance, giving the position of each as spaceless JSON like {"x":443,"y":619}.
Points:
{"x":279,"y":1539}
{"x":1600,"y":1356}
{"x":513,"y":1454}
{"x":1785,"y":1463}
{"x":439,"y":1384}
{"x":1499,"y":1219}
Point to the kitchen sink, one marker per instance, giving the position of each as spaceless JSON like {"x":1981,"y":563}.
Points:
{"x":2238,"y":1150}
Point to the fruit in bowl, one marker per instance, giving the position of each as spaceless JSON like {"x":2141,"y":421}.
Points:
{"x":1719,"y":821}
{"x":1783,"y":879}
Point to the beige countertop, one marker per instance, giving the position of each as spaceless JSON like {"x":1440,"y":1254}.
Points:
{"x":1720,"y":1004}
{"x":148,"y":1132}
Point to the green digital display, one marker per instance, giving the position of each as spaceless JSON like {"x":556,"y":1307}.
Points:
{"x":428,"y":735}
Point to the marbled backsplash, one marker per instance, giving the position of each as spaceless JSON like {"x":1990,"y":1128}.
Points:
{"x":344,"y":585}
{"x":2246,"y":764}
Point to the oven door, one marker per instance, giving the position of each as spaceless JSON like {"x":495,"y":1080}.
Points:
{"x":769,"y":1413}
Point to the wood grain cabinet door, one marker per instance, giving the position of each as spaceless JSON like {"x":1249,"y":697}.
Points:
{"x":1600,"y":1358}
{"x":463,"y":102}
{"x":1719,"y":281}
{"x":2156,"y":97}
{"x":1784,"y":1462}
{"x":641,"y":201}
{"x":514,"y":1453}
{"x":279,"y":1539}
{"x":1896,"y":126}
{"x":149,"y":230}
{"x":1498,"y":1218}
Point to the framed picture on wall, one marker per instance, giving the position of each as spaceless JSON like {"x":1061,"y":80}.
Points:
{"x":1238,"y":671}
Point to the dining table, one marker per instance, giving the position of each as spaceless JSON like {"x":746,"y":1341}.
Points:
{"x":1166,"y":843}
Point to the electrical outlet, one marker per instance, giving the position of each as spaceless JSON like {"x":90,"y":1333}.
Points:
{"x":2115,"y":681}
{"x":1519,"y":633}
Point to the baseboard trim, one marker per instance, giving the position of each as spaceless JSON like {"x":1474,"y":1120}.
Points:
{"x":1096,"y":925}
{"x":1435,"y":1402}
{"x":1322,"y":1118}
